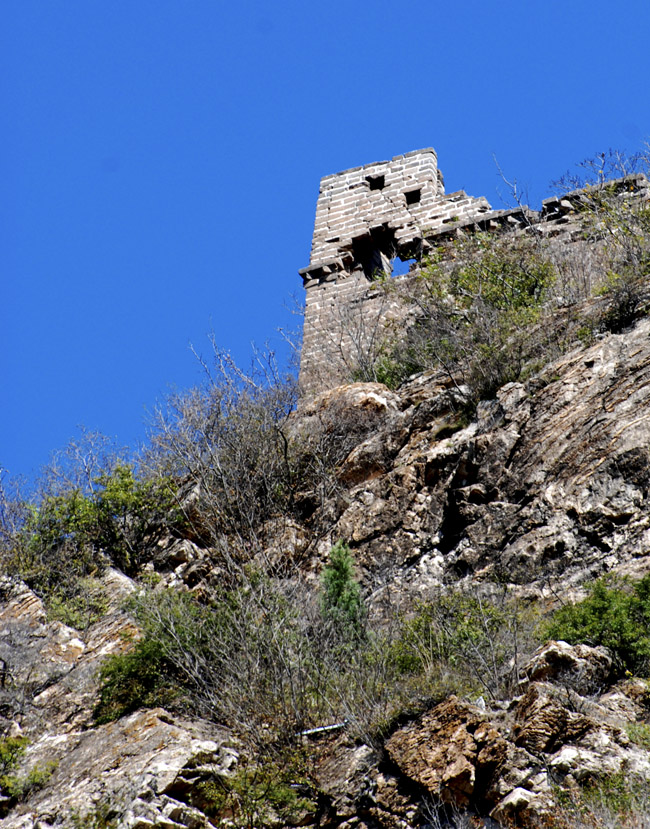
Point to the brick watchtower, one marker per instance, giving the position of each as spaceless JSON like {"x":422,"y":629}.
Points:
{"x":366,"y":217}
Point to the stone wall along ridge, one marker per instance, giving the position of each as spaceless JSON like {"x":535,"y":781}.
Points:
{"x":367,"y":217}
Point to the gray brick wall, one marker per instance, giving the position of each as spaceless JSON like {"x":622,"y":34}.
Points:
{"x":365,"y":217}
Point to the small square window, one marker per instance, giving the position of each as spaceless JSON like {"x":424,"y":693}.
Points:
{"x":376,"y":182}
{"x":413,"y":196}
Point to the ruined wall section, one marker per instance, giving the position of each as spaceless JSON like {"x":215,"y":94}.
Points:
{"x":381,"y":209}
{"x":398,"y":195}
{"x":344,"y":319}
{"x":366,"y":217}
{"x":361,"y":226}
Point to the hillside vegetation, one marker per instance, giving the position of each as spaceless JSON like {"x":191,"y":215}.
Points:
{"x":355,"y":561}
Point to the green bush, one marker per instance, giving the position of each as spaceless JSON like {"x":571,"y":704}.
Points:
{"x":615,"y":614}
{"x":61,"y":541}
{"x":465,"y":643}
{"x":341,"y":602}
{"x":484,"y":308}
{"x":11,"y":751}
{"x":623,"y":294}
{"x":478,"y":303}
{"x":140,"y":677}
{"x":274,"y":789}
{"x":129,"y":515}
{"x":14,"y":786}
{"x":80,"y":605}
{"x":639,"y":734}
{"x":619,"y":801}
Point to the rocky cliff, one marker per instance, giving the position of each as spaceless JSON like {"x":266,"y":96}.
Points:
{"x":543,"y":491}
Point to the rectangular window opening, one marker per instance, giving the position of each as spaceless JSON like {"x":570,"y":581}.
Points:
{"x":413,"y":196}
{"x":376,"y":182}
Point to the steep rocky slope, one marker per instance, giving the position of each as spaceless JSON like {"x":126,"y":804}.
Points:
{"x":549,"y":482}
{"x":544,"y":490}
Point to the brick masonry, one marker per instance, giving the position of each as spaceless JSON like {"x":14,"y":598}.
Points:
{"x":368,"y":216}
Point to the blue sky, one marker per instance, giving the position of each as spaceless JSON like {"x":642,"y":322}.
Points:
{"x":162,"y":159}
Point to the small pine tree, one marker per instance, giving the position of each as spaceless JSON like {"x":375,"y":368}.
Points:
{"x":341,"y":602}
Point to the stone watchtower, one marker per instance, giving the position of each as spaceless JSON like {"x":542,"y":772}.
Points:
{"x":367,"y":217}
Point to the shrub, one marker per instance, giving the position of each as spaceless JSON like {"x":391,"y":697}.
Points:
{"x":227,"y":442}
{"x":623,"y":294}
{"x":271,"y":658}
{"x":477,"y":302}
{"x":131,"y":514}
{"x":493,"y":307}
{"x":79,"y":606}
{"x":615,"y":614}
{"x":341,"y":602}
{"x":11,"y":751}
{"x":639,"y":734}
{"x":14,"y":786}
{"x":62,"y":538}
{"x":140,"y":677}
{"x":619,"y":801}
{"x":242,"y":659}
{"x":276,"y":788}
{"x":465,"y":642}
{"x":617,"y":219}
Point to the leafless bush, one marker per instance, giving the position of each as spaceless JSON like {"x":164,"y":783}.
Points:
{"x":319,"y":441}
{"x":615,"y":207}
{"x":226,"y":441}
{"x":602,"y":168}
{"x":354,"y":331}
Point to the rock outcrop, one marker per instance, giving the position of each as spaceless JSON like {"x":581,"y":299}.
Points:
{"x":546,"y":489}
{"x":549,"y":483}
{"x":136,"y":769}
{"x":505,"y":762}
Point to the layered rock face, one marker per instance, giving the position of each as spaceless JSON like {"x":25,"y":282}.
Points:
{"x":131,"y":765}
{"x":507,"y":763}
{"x":546,"y":489}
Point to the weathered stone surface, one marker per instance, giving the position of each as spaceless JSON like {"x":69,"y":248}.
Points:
{"x":544,"y":723}
{"x":582,"y":668}
{"x":51,"y":668}
{"x":472,"y":758}
{"x":508,"y":765}
{"x":48,"y":695}
{"x":452,"y":751}
{"x":129,"y":766}
{"x":345,"y":772}
{"x":548,"y":486}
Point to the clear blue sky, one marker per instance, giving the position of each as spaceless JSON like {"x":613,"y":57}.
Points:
{"x":161,"y":163}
